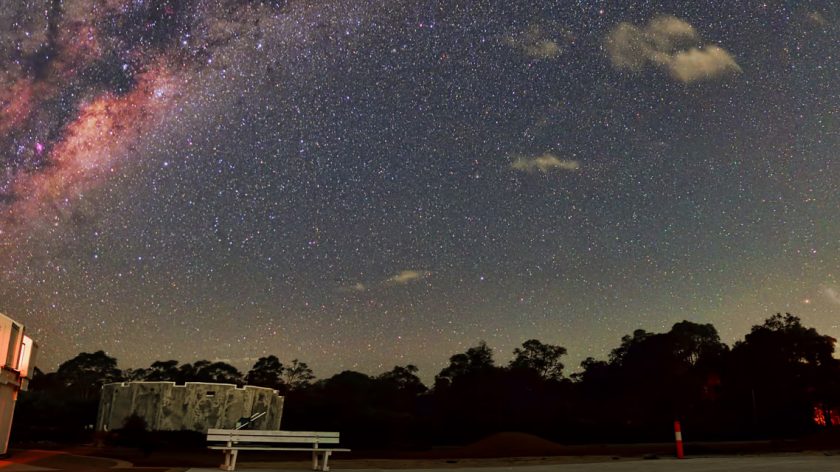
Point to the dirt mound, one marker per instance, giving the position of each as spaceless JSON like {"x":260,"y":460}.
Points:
{"x":511,"y":445}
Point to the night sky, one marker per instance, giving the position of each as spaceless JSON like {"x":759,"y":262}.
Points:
{"x":360,"y":184}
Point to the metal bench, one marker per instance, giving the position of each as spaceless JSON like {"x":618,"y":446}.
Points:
{"x":231,"y":441}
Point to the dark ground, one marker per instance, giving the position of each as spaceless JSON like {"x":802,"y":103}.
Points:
{"x":501,"y":448}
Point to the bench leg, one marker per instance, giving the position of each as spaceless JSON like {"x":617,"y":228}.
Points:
{"x":314,"y":460}
{"x":230,"y":459}
{"x":226,"y":464}
{"x":326,"y":466}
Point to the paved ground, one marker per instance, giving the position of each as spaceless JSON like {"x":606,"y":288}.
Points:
{"x":44,"y":461}
{"x":794,"y":463}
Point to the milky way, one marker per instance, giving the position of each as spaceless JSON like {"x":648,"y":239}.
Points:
{"x":360,"y":184}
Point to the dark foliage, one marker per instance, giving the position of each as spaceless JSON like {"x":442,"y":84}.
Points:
{"x":767,"y":385}
{"x":777,"y":374}
{"x":543,"y":359}
{"x":267,"y":372}
{"x":61,"y":406}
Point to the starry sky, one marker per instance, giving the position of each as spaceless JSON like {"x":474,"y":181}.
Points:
{"x":360,"y":184}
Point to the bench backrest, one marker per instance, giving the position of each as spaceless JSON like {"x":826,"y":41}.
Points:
{"x":255,"y":436}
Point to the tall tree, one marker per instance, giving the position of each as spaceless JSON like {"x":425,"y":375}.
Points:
{"x":628,"y":342}
{"x":267,"y":372}
{"x":696,"y":343}
{"x":544,"y":359}
{"x":191,"y":372}
{"x":135,"y":375}
{"x":85,"y":374}
{"x":162,"y":370}
{"x":778,"y":374}
{"x":207,"y":371}
{"x":219,"y":372}
{"x":475,"y":360}
{"x":298,"y":375}
{"x":404,"y":379}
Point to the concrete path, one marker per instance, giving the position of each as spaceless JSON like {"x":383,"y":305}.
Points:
{"x":794,"y":463}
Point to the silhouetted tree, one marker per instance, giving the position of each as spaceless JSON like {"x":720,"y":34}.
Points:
{"x":544,"y":359}
{"x":777,"y":375}
{"x":768,"y":384}
{"x":218,"y":372}
{"x":199,"y":371}
{"x":652,"y":379}
{"x":84,"y":375}
{"x":187,"y":371}
{"x":475,"y":360}
{"x":592,"y":371}
{"x":267,"y":372}
{"x":298,"y":375}
{"x":162,"y":371}
{"x":62,"y":405}
{"x":696,"y":343}
{"x":404,"y":379}
{"x":44,"y":381}
{"x":469,"y":394}
{"x":628,"y":342}
{"x":349,"y":387}
{"x":133,"y":375}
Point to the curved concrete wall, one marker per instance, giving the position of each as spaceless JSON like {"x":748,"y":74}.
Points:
{"x":194,"y":406}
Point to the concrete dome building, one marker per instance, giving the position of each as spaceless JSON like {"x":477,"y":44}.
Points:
{"x":195,"y":406}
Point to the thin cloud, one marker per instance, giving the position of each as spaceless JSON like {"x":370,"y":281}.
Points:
{"x":544,"y":163}
{"x":815,"y":18}
{"x":832,"y":294}
{"x":408,"y":276}
{"x":671,"y":44}
{"x":534,"y":43}
{"x":358,"y":287}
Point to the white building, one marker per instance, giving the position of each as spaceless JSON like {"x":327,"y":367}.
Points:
{"x":17,"y":355}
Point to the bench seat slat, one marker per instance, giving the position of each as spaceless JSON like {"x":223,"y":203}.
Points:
{"x":273,"y":436}
{"x":255,"y":432}
{"x":271,"y":439}
{"x":299,"y":449}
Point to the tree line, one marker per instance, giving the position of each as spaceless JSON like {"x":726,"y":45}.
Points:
{"x":781,"y":380}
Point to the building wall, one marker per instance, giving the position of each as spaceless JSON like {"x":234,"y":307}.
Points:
{"x":194,"y":406}
{"x":16,"y":365}
{"x":9,"y":386}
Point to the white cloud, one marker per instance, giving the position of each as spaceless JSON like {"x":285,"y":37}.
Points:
{"x":408,"y":276}
{"x":544,"y":163}
{"x":701,"y":64}
{"x":669,"y":43}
